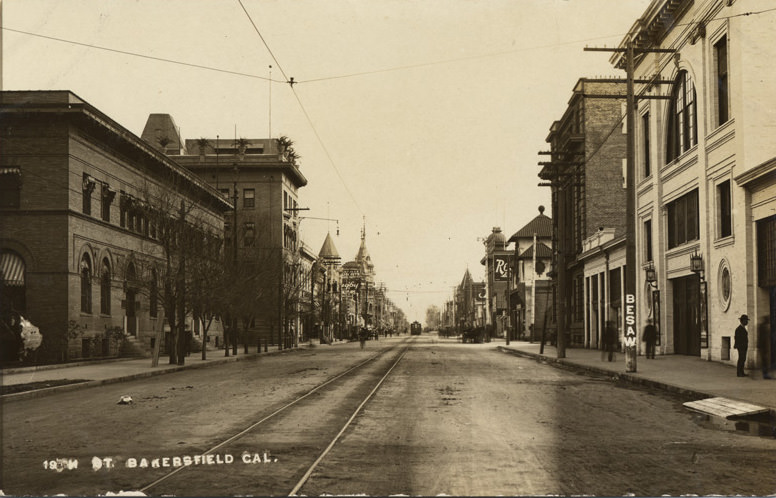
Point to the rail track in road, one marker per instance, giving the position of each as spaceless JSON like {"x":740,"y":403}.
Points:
{"x":348,"y":386}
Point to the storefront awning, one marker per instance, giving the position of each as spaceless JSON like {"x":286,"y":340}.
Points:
{"x":12,"y":269}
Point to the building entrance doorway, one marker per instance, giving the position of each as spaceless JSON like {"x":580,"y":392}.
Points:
{"x":687,"y":323}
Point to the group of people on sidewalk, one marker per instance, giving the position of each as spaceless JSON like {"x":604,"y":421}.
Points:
{"x":610,"y":342}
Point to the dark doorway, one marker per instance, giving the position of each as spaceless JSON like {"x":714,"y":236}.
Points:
{"x":687,"y":326}
{"x":773,"y":327}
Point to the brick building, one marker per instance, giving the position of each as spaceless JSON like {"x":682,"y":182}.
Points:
{"x":497,"y":262}
{"x":262,"y":179}
{"x":78,"y":224}
{"x":586,"y":175}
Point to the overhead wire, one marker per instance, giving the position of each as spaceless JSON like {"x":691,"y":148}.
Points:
{"x":142,"y":56}
{"x":291,"y":83}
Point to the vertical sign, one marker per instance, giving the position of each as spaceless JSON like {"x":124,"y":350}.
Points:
{"x":630,"y":321}
{"x":500,"y":266}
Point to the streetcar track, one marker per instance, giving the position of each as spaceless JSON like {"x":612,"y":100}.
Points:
{"x":278,"y":411}
{"x":320,"y":458}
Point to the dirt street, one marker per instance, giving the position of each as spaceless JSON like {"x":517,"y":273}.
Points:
{"x":456,"y":419}
{"x":466,"y":420}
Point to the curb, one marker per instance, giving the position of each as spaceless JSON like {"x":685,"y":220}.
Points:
{"x":39,"y":393}
{"x":629,"y":377}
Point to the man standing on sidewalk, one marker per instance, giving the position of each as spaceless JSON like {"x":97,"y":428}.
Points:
{"x":650,"y":337}
{"x":741,"y":344}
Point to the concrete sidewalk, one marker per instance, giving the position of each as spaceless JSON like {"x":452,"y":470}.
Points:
{"x":689,"y":375}
{"x":120,"y":370}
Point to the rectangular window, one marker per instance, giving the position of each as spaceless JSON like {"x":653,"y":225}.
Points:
{"x":683,"y":220}
{"x":645,"y":144}
{"x":648,"y":240}
{"x":107,"y":200}
{"x":10,"y":187}
{"x":724,"y":211}
{"x":249,"y":198}
{"x":87,"y":189}
{"x":721,"y":56}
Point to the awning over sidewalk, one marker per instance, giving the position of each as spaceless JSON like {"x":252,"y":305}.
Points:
{"x":12,"y":269}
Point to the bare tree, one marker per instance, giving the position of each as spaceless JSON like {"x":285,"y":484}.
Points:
{"x":188,"y":267}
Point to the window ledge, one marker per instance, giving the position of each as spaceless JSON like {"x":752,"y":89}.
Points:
{"x":724,"y":241}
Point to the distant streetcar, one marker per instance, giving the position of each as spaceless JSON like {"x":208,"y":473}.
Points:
{"x":415,"y":328}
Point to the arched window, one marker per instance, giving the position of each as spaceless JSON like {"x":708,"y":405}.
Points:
{"x":682,"y":118}
{"x":86,"y":284}
{"x":105,"y":287}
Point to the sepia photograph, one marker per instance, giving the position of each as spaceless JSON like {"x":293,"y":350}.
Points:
{"x":387,"y":248}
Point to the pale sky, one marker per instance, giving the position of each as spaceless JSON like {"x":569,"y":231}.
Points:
{"x":425,"y":117}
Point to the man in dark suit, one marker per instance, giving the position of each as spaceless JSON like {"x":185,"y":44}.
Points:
{"x":741,"y":344}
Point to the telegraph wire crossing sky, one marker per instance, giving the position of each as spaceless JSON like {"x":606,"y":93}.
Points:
{"x":423,"y":117}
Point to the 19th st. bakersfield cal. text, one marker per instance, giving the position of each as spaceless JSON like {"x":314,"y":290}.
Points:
{"x":110,"y":462}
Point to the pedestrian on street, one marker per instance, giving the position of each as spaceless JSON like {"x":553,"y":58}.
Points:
{"x":610,"y":340}
{"x":763,"y":345}
{"x":362,"y":338}
{"x":741,"y":344}
{"x":650,"y":337}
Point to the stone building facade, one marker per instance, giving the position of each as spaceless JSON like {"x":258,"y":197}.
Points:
{"x":706,"y":172}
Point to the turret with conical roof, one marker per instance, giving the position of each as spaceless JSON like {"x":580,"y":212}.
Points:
{"x":328,"y":251}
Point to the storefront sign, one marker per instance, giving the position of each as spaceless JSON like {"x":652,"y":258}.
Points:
{"x":630,"y":321}
{"x":501,"y":268}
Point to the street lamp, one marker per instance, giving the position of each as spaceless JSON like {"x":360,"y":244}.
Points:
{"x":696,"y":264}
{"x":651,"y":275}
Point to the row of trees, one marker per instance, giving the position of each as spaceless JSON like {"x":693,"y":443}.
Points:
{"x":193,"y":274}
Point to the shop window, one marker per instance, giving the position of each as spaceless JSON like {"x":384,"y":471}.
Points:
{"x":683,"y":219}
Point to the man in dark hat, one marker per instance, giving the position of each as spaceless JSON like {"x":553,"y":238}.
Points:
{"x":741,"y":344}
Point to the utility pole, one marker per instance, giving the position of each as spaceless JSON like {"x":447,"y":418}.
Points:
{"x":631,"y":309}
